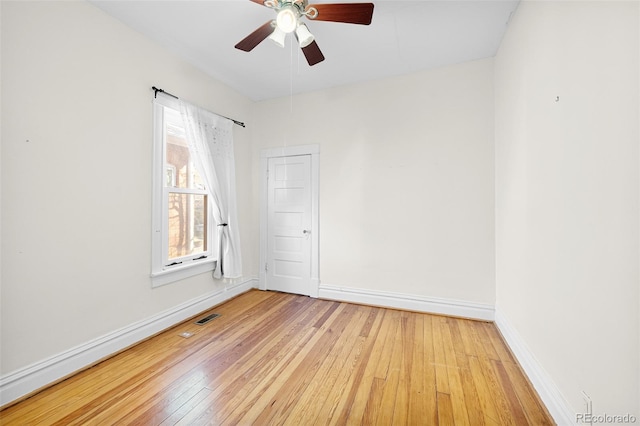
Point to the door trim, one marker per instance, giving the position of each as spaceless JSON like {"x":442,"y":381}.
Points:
{"x":290,"y":151}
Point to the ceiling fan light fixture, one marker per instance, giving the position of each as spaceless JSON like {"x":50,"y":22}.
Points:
{"x":278,"y":36}
{"x":288,"y":16}
{"x":304,"y":36}
{"x":287,"y":20}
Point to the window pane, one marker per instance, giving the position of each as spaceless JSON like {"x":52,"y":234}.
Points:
{"x":180,"y":170}
{"x":187,"y":224}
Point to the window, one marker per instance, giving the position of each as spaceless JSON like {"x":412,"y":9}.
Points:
{"x":183,"y":233}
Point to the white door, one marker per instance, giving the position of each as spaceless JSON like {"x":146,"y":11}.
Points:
{"x":288,"y":265}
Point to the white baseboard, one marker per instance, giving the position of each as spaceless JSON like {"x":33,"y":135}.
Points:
{"x":412,"y":302}
{"x":540,"y":379}
{"x":36,"y":376}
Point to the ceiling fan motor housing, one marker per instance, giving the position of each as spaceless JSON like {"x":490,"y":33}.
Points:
{"x":298,"y":7}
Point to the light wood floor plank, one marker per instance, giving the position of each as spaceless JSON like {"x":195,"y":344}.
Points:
{"x":250,"y":370}
{"x":533,"y":408}
{"x":470,"y":391}
{"x":428,"y":379}
{"x":293,"y":377}
{"x":275,"y":358}
{"x":257,"y":397}
{"x":346,"y":405}
{"x":456,"y":393}
{"x":363,"y":390}
{"x":409,"y":349}
{"x":326,"y":382}
{"x":216,"y":361}
{"x":517,"y":413}
{"x":390,"y":388}
{"x":417,"y":410}
{"x":299,"y":380}
{"x":485,"y":397}
{"x":439,"y":358}
{"x":445,"y":410}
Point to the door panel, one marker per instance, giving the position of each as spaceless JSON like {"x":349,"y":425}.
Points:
{"x":289,"y":224}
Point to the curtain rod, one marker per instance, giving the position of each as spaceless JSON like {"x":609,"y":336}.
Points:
{"x":155,"y":95}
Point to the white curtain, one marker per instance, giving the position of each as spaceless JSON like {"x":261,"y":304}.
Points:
{"x":210,"y":141}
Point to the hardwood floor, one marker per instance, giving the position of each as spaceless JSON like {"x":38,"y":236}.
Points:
{"x":275,"y":358}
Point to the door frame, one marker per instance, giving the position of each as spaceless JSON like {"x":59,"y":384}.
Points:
{"x":291,"y":151}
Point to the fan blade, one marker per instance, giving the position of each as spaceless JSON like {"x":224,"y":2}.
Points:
{"x":350,"y":13}
{"x":255,"y":38}
{"x":313,"y":54}
{"x":258,"y":1}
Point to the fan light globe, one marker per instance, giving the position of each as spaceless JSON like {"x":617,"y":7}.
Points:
{"x":277,"y":36}
{"x":287,"y":20}
{"x":305,"y":38}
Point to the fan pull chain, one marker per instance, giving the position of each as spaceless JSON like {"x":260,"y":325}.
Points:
{"x":291,"y":78}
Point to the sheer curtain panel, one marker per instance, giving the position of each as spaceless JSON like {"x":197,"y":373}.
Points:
{"x":210,"y":140}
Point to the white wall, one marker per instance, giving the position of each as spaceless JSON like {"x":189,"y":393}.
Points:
{"x":567,"y":185}
{"x":0,"y":189}
{"x":406,"y":179}
{"x":76,"y":176}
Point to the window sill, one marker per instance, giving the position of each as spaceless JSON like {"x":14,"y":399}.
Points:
{"x":178,"y":273}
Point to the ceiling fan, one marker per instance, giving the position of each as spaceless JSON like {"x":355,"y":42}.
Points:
{"x":289,"y":14}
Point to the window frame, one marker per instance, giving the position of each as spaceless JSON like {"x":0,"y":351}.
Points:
{"x":161,"y":271}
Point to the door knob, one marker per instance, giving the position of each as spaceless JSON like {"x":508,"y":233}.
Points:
{"x":306,"y":231}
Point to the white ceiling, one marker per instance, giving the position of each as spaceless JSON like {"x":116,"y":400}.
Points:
{"x":404,"y":37}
